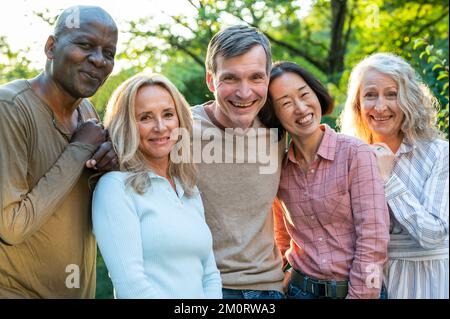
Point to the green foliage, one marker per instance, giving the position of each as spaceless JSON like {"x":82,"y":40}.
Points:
{"x":189,"y":78}
{"x":315,"y":39}
{"x":328,"y":39}
{"x":13,"y":65}
{"x":433,"y":64}
{"x":104,"y":288}
{"x":330,"y":120}
{"x":100,"y":99}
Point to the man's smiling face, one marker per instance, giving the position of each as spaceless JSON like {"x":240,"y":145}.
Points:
{"x":240,"y":87}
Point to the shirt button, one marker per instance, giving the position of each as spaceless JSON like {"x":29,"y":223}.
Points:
{"x":312,"y":217}
{"x":324,"y":261}
{"x":305,"y":193}
{"x":320,"y":238}
{"x":312,"y":171}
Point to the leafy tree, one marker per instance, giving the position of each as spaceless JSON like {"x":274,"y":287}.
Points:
{"x":433,"y":64}
{"x":101,"y":98}
{"x":189,"y":78}
{"x":328,"y":37}
{"x":328,"y":40}
{"x":14,"y":65}
{"x":332,"y":31}
{"x":104,"y":287}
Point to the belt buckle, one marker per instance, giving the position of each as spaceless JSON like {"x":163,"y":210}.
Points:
{"x":318,"y":289}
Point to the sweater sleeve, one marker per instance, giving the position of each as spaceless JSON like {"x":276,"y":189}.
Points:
{"x":117,"y":230}
{"x":25,"y":209}
{"x":426,"y":220}
{"x":212,"y":282}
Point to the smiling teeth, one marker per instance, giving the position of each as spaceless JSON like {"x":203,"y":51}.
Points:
{"x":305,"y":119}
{"x":381,"y":118}
{"x":89,"y":75}
{"x":159,"y":139}
{"x":242,"y":104}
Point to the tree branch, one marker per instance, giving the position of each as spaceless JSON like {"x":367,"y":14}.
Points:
{"x":191,"y":54}
{"x":425,"y":26}
{"x":349,"y":27}
{"x":336,"y":53}
{"x":192,"y":4}
{"x":320,"y":65}
{"x":308,"y":38}
{"x":184,"y":24}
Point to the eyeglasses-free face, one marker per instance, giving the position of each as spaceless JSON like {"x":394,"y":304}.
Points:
{"x":156,"y":118}
{"x":380,"y":111}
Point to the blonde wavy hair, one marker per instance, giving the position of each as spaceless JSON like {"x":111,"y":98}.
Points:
{"x":414,"y":99}
{"x":121,"y":122}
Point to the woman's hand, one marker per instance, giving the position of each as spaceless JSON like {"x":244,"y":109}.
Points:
{"x":385,"y":159}
{"x":287,"y":278}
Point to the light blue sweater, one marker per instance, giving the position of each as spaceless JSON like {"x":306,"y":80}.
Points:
{"x":155,"y":245}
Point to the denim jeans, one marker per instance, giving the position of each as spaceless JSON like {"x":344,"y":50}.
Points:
{"x":251,"y":294}
{"x":295,"y":292}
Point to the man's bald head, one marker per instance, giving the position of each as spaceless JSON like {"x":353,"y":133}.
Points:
{"x":71,"y":18}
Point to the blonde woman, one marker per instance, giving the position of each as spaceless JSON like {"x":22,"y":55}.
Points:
{"x":148,"y":218}
{"x":389,"y":107}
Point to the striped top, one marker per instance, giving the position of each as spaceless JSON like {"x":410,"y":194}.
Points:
{"x":417,"y":195}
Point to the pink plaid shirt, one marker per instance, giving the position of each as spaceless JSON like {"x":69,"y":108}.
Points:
{"x":333,"y":223}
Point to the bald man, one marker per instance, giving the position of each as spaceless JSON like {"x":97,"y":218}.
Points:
{"x":48,"y":131}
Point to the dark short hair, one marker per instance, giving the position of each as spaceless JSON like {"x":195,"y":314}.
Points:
{"x":234,"y":41}
{"x":267,"y":113}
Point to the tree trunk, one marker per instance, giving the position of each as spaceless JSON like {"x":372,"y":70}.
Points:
{"x":337,"y":47}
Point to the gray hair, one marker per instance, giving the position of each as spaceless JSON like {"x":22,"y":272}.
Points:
{"x":234,"y":41}
{"x":414,"y":99}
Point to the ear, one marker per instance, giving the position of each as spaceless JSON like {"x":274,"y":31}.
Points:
{"x":210,"y":82}
{"x":50,"y":47}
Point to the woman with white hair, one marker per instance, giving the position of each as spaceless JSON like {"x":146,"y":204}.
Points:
{"x":389,"y":107}
{"x":148,"y":218}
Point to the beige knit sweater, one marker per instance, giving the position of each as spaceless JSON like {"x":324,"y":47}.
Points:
{"x":237,"y":193}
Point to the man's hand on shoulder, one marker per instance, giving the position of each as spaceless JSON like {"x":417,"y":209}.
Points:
{"x":104,"y":159}
{"x":90,"y":132}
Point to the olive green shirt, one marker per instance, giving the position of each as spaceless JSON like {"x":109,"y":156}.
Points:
{"x":47,"y":249}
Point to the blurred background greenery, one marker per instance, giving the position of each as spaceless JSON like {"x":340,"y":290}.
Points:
{"x":104,"y":285}
{"x":328,"y":40}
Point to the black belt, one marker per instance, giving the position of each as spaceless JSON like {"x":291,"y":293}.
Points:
{"x":320,"y":288}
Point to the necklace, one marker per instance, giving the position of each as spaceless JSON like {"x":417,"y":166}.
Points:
{"x":302,"y":162}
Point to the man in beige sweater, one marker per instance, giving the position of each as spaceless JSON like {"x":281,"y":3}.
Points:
{"x":47,"y":249}
{"x":239,"y":164}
